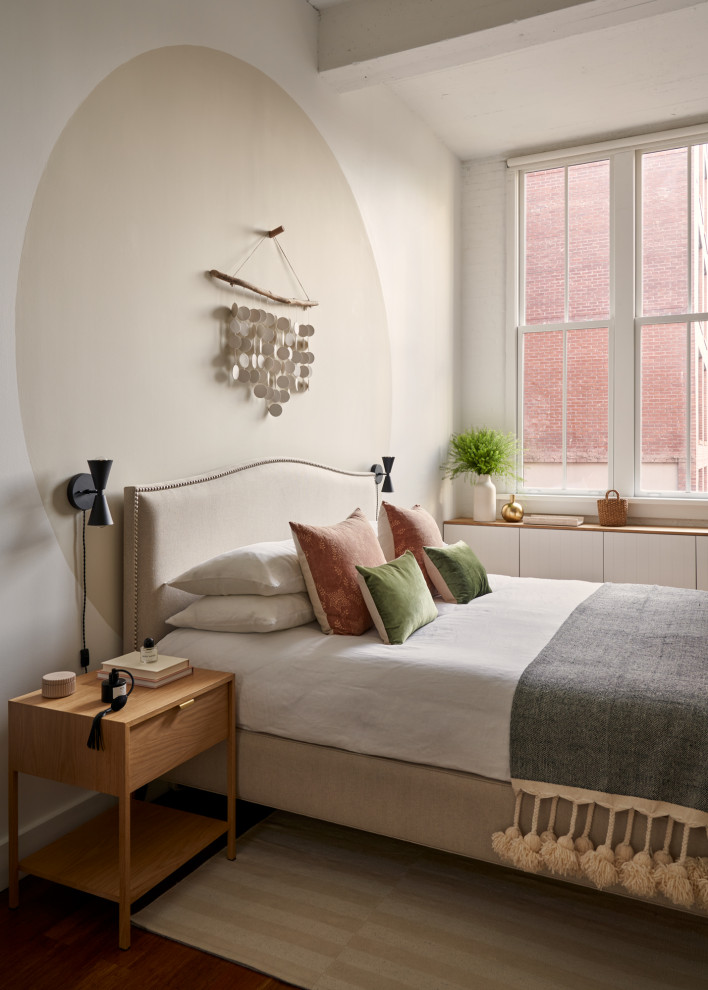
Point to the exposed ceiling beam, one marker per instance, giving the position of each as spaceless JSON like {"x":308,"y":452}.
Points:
{"x":364,"y":42}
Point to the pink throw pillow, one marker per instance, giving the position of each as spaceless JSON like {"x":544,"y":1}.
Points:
{"x":328,"y":557}
{"x":408,"y":529}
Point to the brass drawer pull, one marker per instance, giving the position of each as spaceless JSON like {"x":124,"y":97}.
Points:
{"x":186,"y":704}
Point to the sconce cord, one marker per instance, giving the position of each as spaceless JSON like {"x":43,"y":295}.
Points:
{"x":84,"y":655}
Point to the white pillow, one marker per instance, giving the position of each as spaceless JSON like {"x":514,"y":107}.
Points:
{"x":246,"y":613}
{"x":258,"y":569}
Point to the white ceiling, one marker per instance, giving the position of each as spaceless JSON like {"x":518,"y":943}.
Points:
{"x":624,"y":67}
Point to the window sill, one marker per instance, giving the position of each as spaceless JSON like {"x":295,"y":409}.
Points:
{"x":647,"y":511}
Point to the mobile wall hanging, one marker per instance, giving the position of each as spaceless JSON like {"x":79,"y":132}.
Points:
{"x":271,"y":354}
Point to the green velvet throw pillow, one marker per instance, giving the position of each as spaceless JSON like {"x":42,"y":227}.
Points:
{"x":457,"y":572}
{"x":397,"y":597}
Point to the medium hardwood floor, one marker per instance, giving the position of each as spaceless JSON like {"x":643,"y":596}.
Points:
{"x":62,"y":939}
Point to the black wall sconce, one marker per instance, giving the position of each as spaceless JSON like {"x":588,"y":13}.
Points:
{"x":88,"y":491}
{"x":384,"y":473}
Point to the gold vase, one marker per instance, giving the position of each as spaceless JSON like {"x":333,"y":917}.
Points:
{"x":512,"y":511}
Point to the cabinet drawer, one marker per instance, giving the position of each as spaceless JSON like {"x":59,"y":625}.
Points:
{"x":170,"y":738}
{"x":496,"y":547}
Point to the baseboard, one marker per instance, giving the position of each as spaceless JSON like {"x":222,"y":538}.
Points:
{"x":39,"y":834}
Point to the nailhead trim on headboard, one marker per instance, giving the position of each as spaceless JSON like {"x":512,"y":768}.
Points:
{"x":200,"y":479}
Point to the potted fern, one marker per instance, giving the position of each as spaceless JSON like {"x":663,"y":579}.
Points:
{"x":483,"y":452}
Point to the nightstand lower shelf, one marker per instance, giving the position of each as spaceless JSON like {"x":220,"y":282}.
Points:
{"x":162,"y":840}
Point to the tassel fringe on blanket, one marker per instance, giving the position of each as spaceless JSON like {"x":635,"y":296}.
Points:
{"x":641,"y":871}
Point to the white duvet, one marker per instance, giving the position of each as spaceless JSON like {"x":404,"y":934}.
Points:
{"x":443,"y":698}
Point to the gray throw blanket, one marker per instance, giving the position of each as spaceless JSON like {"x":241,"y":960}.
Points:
{"x":613,"y":712}
{"x":618,"y":699}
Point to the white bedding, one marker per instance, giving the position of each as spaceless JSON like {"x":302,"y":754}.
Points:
{"x":443,"y":698}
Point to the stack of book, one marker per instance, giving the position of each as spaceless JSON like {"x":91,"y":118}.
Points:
{"x":151,"y":675}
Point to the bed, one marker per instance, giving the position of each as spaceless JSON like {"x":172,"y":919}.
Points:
{"x":424,"y":754}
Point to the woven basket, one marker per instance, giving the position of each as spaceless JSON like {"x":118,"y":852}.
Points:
{"x":612,"y":511}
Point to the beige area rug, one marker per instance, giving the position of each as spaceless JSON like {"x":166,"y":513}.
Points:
{"x":331,"y":908}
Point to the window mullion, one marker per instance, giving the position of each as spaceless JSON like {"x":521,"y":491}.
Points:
{"x":623,"y":238}
{"x":566,"y":301}
{"x":566,"y":317}
{"x":520,"y":204}
{"x":687,"y":483}
{"x":691,"y":304}
{"x":564,"y":413}
{"x":690,"y":301}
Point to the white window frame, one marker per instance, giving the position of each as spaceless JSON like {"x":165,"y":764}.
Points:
{"x":624,"y":324}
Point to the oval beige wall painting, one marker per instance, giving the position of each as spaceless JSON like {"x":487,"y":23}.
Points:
{"x":175,"y":164}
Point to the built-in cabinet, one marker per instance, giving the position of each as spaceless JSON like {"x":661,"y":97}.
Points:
{"x":659,"y":558}
{"x":632,"y":555}
{"x":557,"y":553}
{"x":496,"y":547}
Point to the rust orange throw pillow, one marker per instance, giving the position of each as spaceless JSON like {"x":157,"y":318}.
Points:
{"x":328,"y":556}
{"x":408,"y":529}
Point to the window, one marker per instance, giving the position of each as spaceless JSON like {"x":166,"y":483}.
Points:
{"x":612,"y":327}
{"x":565,"y":332}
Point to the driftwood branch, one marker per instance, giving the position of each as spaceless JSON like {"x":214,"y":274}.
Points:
{"x":232,"y":280}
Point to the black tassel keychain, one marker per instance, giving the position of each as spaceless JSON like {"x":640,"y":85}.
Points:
{"x":95,"y":739}
{"x":112,"y":690}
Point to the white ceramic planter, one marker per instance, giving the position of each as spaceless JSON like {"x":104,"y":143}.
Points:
{"x":484,"y":507}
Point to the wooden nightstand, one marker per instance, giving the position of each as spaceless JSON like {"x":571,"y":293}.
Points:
{"x":123,"y":853}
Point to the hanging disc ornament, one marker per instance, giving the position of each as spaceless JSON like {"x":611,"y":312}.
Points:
{"x":269,"y":353}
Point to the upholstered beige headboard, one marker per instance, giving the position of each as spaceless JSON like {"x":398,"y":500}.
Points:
{"x":174,"y":525}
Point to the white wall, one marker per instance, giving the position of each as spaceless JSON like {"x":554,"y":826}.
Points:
{"x":405,"y":185}
{"x":484,"y":364}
